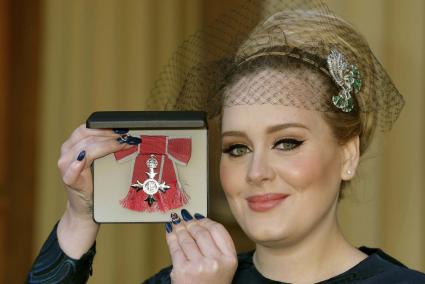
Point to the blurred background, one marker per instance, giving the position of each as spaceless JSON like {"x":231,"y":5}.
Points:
{"x":62,"y":60}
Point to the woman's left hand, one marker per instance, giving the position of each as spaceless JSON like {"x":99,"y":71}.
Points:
{"x":201,"y":250}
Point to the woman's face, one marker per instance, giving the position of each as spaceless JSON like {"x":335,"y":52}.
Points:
{"x":280,"y":169}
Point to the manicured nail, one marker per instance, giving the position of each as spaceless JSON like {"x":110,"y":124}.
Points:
{"x":198,"y":216}
{"x":168,"y":227}
{"x":133,"y":140}
{"x":123,"y":138}
{"x":120,"y":130}
{"x":81,"y":156}
{"x":186,"y":215}
{"x":175,"y":218}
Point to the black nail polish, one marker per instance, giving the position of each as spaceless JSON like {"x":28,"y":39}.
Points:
{"x":120,"y":130}
{"x":175,"y":218}
{"x":198,"y":216}
{"x":168,"y":227}
{"x":81,"y":156}
{"x":133,"y":140}
{"x":186,"y":215}
{"x":122,"y":139}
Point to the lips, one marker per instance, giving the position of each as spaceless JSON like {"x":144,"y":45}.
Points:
{"x":265,"y":202}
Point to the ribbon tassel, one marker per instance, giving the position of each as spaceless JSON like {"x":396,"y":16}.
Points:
{"x":155,"y":186}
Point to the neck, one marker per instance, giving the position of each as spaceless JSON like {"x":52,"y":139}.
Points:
{"x":324,"y":253}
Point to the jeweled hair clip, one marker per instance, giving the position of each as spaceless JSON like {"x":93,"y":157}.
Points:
{"x":347,"y":77}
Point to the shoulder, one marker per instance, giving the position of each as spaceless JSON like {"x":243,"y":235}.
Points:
{"x":397,"y":274}
{"x":382,"y":268}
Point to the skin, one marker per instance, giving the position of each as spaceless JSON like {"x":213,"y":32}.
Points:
{"x":76,"y":230}
{"x":298,"y":241}
{"x":202,"y":251}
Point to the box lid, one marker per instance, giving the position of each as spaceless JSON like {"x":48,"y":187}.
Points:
{"x":147,"y":119}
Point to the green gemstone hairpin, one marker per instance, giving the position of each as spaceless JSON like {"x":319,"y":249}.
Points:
{"x":347,"y":77}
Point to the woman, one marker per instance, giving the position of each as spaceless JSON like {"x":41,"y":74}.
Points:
{"x":299,"y":103}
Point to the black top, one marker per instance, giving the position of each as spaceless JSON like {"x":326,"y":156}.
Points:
{"x":53,"y":266}
{"x":378,"y":267}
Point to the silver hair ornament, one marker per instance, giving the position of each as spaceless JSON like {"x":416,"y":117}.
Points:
{"x":347,"y":77}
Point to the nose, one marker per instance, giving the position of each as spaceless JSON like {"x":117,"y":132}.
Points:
{"x":260,"y":169}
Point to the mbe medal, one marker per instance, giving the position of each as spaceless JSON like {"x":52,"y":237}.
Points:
{"x":151,"y":186}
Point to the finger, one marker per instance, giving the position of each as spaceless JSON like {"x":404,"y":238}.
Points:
{"x":69,"y":144}
{"x":187,"y":243}
{"x":82,"y":132}
{"x":70,"y":155}
{"x":177,"y":255}
{"x":220,"y":235}
{"x":102,"y":149}
{"x":95,"y":147}
{"x":73,"y":172}
{"x":203,"y":239}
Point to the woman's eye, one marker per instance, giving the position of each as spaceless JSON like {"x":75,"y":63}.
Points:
{"x":237,"y":150}
{"x":287,"y":144}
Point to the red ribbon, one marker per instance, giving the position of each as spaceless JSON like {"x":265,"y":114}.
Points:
{"x":167,"y":151}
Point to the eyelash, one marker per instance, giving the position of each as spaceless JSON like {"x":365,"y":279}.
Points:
{"x":293,"y":143}
{"x":230,"y":149}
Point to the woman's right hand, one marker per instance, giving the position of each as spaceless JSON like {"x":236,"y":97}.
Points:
{"x":77,"y":230}
{"x":201,"y":250}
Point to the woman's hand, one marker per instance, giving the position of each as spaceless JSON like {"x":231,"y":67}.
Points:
{"x":77,"y":230}
{"x":77,"y":155}
{"x":201,"y":250}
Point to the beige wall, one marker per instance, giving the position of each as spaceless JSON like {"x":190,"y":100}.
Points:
{"x":386,"y":208}
{"x":105,"y":54}
{"x":95,"y":59}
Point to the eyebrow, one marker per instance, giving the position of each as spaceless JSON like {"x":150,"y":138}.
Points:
{"x":269,"y":130}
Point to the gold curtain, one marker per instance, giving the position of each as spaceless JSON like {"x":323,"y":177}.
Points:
{"x":385,"y":206}
{"x":105,"y":55}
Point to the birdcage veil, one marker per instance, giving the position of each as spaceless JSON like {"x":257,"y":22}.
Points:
{"x":273,"y":41}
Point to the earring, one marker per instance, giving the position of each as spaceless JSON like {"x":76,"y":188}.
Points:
{"x":349,"y":172}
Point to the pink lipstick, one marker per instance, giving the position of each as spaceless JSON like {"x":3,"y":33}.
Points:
{"x":265,"y":202}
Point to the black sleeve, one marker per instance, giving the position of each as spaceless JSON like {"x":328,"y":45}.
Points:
{"x":53,"y":266}
{"x":162,"y":277}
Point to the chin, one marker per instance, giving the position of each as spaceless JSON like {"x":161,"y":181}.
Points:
{"x":266,"y":233}
{"x":263,"y":228}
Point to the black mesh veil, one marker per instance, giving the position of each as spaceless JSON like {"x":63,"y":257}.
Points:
{"x":304,"y":33}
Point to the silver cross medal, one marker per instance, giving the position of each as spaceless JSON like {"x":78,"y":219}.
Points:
{"x":150,"y":186}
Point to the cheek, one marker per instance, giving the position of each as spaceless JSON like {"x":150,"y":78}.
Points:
{"x":310,"y":169}
{"x":228,"y":177}
{"x":233,"y":183}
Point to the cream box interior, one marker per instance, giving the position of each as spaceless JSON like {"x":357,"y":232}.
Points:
{"x":166,"y":172}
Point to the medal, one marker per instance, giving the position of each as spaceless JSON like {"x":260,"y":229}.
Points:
{"x":155,"y":184}
{"x":150,"y":186}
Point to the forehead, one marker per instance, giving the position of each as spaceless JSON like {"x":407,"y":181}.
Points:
{"x":258,"y":119}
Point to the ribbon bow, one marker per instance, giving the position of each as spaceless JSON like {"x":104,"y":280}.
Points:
{"x":156,"y":173}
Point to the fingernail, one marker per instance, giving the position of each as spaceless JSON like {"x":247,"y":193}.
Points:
{"x":198,"y":216}
{"x":81,"y":156}
{"x":122,"y":139}
{"x":120,"y":130}
{"x":133,"y":140}
{"x":186,"y":215}
{"x":168,"y":227}
{"x":175,"y":218}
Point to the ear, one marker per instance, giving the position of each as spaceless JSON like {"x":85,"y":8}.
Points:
{"x":350,"y":158}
